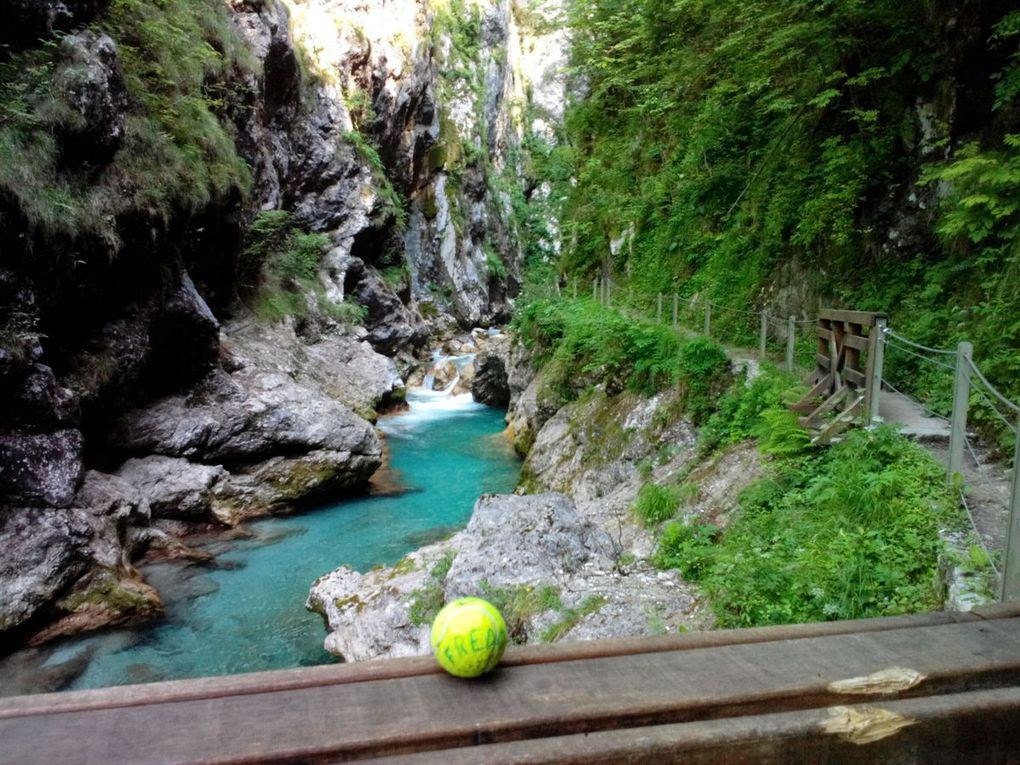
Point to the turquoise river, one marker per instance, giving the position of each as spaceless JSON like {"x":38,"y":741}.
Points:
{"x":245,"y":612}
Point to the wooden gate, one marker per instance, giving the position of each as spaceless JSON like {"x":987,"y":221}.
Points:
{"x":840,"y":384}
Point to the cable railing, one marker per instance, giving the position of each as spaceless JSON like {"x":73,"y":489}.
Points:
{"x":781,"y":336}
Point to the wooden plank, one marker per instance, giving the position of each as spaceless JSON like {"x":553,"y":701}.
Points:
{"x":979,"y":726}
{"x":433,"y":712}
{"x":865,"y":318}
{"x":383,"y":669}
{"x":813,"y":419}
{"x":823,"y":362}
{"x":854,"y":377}
{"x":809,"y":400}
{"x":824,"y":334}
{"x":856,"y":342}
{"x":840,"y":423}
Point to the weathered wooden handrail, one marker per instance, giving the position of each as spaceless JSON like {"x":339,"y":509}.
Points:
{"x":875,"y":690}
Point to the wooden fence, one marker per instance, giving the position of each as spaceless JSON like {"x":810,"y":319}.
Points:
{"x":854,"y":392}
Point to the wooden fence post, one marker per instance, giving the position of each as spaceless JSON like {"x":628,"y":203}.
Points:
{"x":1011,"y":568}
{"x":791,"y":338}
{"x":674,"y":310}
{"x":874,"y":389}
{"x":763,"y":334}
{"x":708,"y":318}
{"x":958,"y":424}
{"x":595,"y":289}
{"x":658,"y":310}
{"x":573,"y":288}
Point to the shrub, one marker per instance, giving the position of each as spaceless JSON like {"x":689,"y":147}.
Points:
{"x":849,"y":533}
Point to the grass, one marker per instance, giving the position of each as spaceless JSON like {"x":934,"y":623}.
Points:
{"x":850,"y":532}
{"x":655,"y":504}
{"x":519,"y":603}
{"x":426,"y":601}
{"x":572,"y":617}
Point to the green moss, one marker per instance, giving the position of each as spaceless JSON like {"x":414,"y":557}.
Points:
{"x":429,"y":207}
{"x":106,"y":590}
{"x":349,"y":601}
{"x":404,"y":566}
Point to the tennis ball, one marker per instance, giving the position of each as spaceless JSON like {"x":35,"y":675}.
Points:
{"x":468,"y":637}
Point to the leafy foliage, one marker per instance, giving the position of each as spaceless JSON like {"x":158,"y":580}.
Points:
{"x":582,"y":344}
{"x":738,"y":137}
{"x":279,"y":263}
{"x":848,"y":533}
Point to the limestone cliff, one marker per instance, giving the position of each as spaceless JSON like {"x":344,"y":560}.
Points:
{"x":143,"y":389}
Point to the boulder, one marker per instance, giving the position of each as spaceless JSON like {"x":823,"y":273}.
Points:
{"x":40,"y":469}
{"x":391,"y":325}
{"x":173,"y":487}
{"x":340,"y":364}
{"x":89,"y":79}
{"x":224,"y":422}
{"x":45,"y":549}
{"x":512,"y":543}
{"x":184,"y":336}
{"x":490,"y":385}
{"x":38,"y":402}
{"x":529,"y":540}
{"x":280,"y":483}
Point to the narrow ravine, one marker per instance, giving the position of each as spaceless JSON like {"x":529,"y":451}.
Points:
{"x":246,"y":612}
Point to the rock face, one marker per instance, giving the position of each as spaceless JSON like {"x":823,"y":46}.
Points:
{"x":112,"y":355}
{"x":454,"y":247}
{"x":511,"y":542}
{"x":490,"y":384}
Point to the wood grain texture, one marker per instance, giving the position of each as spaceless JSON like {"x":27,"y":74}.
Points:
{"x":973,"y":727}
{"x":430,"y":712}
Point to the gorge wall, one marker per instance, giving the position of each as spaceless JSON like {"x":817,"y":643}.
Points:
{"x":147,"y":390}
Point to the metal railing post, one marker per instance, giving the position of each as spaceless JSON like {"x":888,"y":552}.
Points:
{"x":708,"y":318}
{"x":958,"y":424}
{"x":763,"y":334}
{"x":1011,"y":567}
{"x":674,"y":309}
{"x":875,"y":383}
{"x":791,"y":338}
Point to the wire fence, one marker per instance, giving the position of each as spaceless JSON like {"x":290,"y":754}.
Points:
{"x":792,"y":341}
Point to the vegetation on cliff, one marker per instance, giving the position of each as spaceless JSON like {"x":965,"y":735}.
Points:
{"x":175,"y":154}
{"x":869,"y":148}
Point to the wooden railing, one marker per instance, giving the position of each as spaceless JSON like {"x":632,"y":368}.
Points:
{"x":840,"y":384}
{"x":938,"y":687}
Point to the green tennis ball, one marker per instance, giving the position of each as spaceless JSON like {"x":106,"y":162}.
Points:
{"x":468,"y":637}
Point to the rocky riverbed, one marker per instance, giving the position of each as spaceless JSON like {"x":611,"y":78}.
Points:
{"x":566,"y":561}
